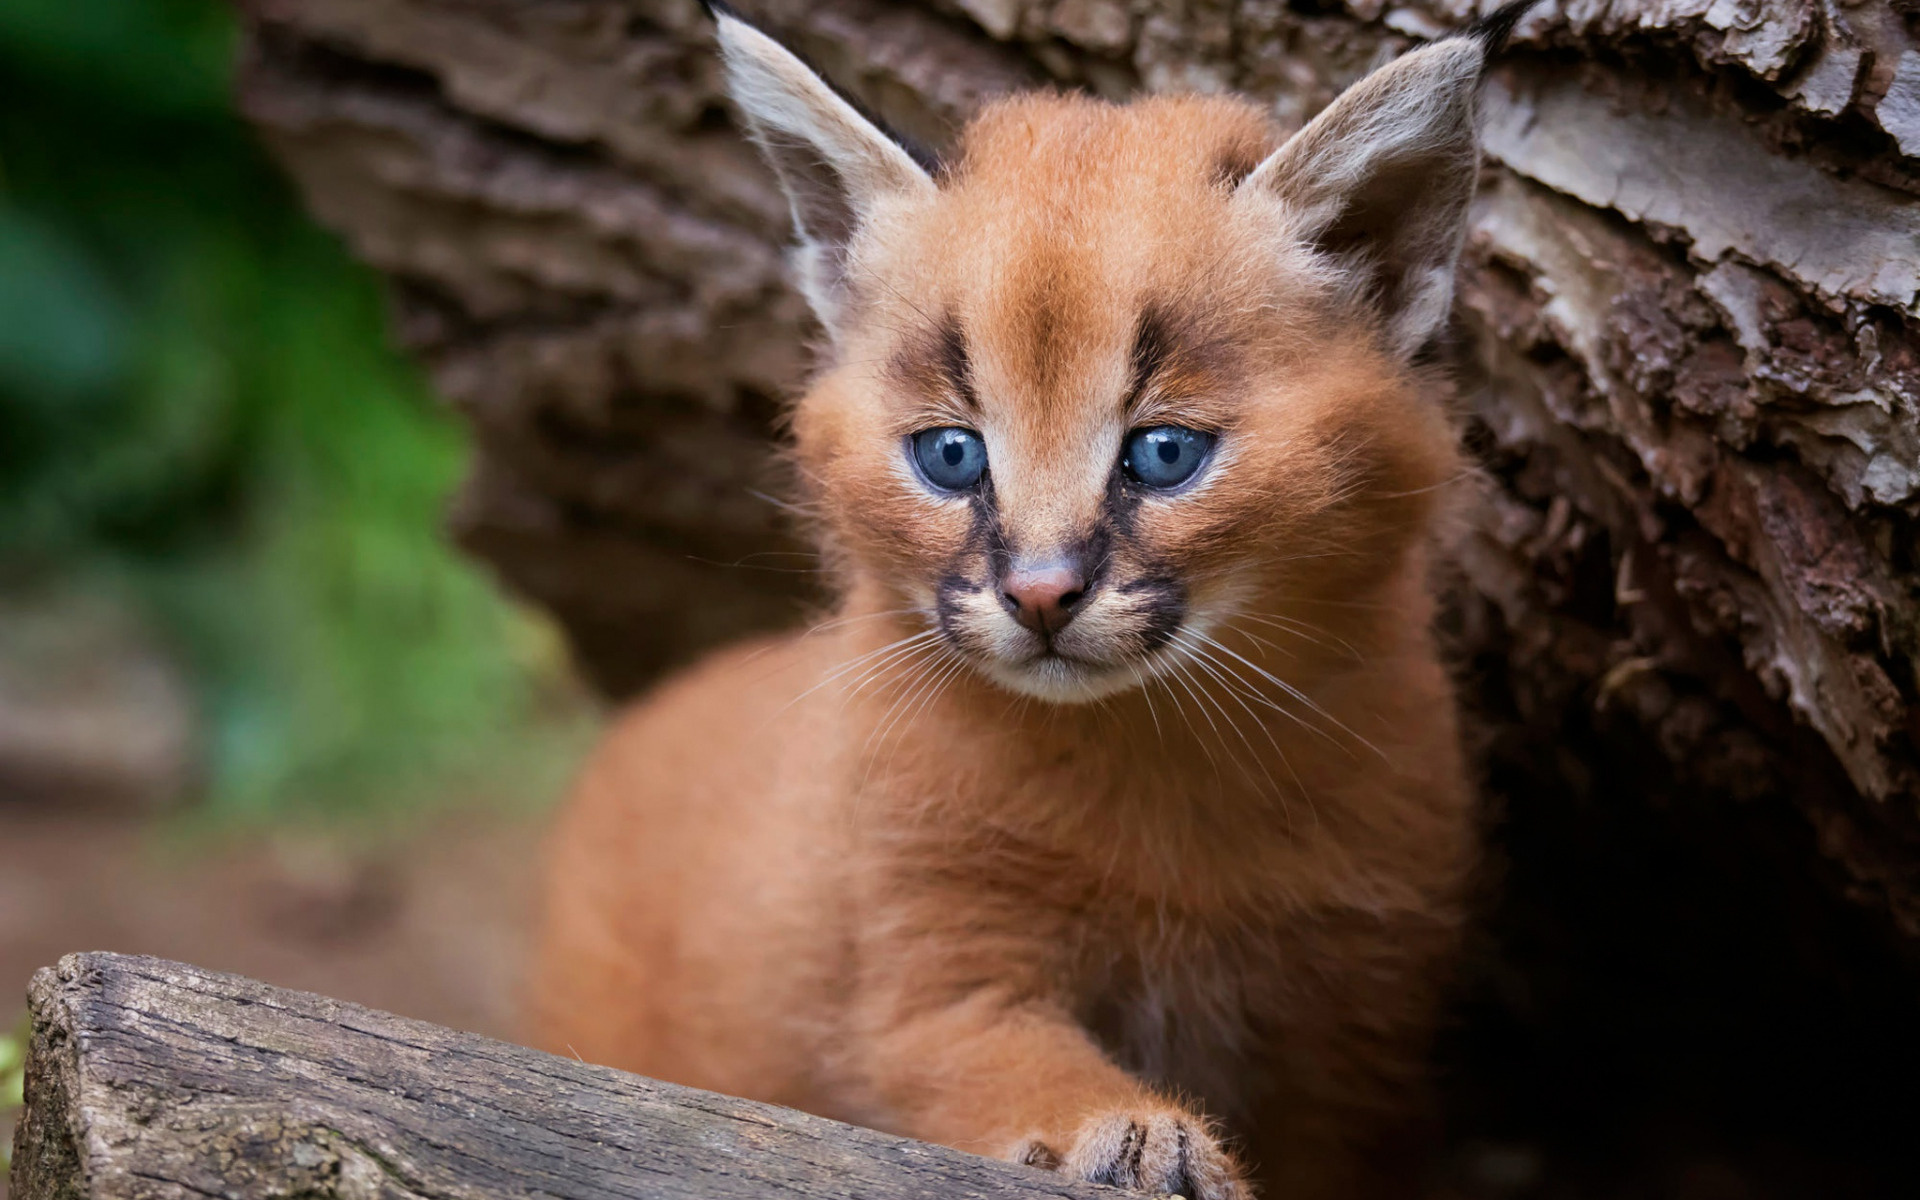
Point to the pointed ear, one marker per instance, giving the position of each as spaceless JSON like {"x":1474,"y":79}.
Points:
{"x":838,"y":168}
{"x":1380,"y":182}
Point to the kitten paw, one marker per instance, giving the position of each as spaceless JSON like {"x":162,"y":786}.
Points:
{"x":1162,"y":1153}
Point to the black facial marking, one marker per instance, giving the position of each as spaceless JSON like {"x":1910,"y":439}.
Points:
{"x":955,"y":364}
{"x":1159,"y":602}
{"x":1151,"y":349}
{"x":946,"y":607}
{"x":1156,"y":597}
{"x":984,"y":541}
{"x":986,"y":532}
{"x":1152,"y":600}
{"x":1122,"y":507}
{"x":1181,"y":350}
{"x":934,"y":363}
{"x":949,"y":596}
{"x":1093,"y":554}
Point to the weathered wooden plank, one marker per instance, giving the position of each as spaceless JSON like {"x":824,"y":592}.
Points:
{"x":151,"y":1080}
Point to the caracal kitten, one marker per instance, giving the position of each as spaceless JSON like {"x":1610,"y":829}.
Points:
{"x":1116,"y":821}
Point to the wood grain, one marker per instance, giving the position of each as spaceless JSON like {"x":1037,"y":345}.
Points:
{"x":152,"y":1080}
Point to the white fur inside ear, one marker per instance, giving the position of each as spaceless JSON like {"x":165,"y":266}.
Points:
{"x":1381,"y":181}
{"x":837,"y":167}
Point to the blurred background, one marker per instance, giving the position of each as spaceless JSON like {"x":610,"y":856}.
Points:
{"x":255,"y":711}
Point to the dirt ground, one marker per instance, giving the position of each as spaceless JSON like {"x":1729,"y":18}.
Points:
{"x":428,"y":920}
{"x":429,"y":923}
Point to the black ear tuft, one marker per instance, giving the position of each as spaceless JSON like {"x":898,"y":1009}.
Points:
{"x":718,"y":8}
{"x":1493,"y":30}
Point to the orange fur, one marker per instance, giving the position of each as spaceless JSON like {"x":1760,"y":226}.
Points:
{"x":1196,"y":902}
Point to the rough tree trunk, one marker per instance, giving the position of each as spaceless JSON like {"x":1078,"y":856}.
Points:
{"x":1688,"y":618}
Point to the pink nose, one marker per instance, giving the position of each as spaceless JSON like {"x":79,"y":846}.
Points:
{"x":1042,"y":598}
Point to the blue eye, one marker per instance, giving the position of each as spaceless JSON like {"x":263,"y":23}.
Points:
{"x":952,"y":459}
{"x":1166,"y":456}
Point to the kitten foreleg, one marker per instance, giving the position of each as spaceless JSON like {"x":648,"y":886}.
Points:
{"x":1025,"y":1082}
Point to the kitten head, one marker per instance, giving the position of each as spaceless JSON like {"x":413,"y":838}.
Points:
{"x":1119,"y":378}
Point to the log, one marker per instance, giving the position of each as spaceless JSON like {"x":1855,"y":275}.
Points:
{"x":153,"y":1080}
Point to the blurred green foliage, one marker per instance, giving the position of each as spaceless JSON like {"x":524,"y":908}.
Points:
{"x":13,"y":1078}
{"x":199,"y":411}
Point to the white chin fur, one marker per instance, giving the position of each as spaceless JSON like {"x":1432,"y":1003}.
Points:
{"x":1060,"y":681}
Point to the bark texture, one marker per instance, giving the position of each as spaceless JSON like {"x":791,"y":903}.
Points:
{"x":151,"y":1080}
{"x":1688,"y":607}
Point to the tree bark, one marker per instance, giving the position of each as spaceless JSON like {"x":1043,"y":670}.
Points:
{"x":1687,"y":612}
{"x":151,"y":1080}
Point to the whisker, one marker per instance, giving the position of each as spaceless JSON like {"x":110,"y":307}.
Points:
{"x":889,"y":671}
{"x":1366,"y":605}
{"x":1300,"y":629}
{"x":920,"y":673}
{"x":854,"y":664}
{"x":741,"y":564}
{"x":823,"y":626}
{"x":1200,"y":651}
{"x":1234,"y":724}
{"x":1187,"y":683}
{"x":1251,"y":636}
{"x":1241,"y":690}
{"x":837,"y":622}
{"x":1146,"y":693}
{"x":929,"y":681}
{"x":939,"y":689}
{"x":809,"y":511}
{"x":1469,"y":473}
{"x":918,"y":676}
{"x":1293,"y":691}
